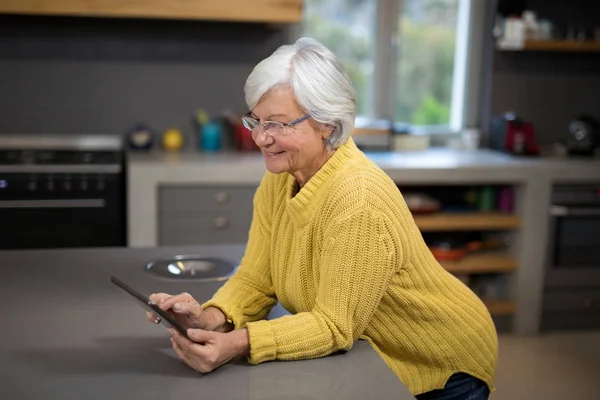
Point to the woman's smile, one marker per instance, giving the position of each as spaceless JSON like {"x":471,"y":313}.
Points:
{"x":273,"y":154}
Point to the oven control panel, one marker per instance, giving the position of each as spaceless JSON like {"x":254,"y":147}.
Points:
{"x":58,"y":173}
{"x":53,"y":183}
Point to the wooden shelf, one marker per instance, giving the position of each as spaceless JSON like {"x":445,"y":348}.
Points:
{"x":466,"y":221}
{"x":267,"y":11}
{"x":554,"y":46}
{"x":481,"y":263}
{"x":500,"y":307}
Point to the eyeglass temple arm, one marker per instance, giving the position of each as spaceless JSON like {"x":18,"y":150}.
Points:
{"x":299,"y":120}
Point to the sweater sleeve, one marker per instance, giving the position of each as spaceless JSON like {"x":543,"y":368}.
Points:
{"x":358,"y":261}
{"x":249,"y":294}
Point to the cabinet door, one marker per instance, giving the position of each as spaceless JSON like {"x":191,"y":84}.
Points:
{"x":183,"y":200}
{"x":572,"y":309}
{"x":197,"y":215}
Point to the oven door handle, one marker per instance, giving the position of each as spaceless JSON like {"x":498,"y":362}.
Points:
{"x":562,"y":211}
{"x":58,"y":203}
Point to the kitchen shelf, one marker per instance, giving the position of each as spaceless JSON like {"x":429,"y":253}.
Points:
{"x":554,"y":46}
{"x":466,"y":221}
{"x":481,"y":263}
{"x":500,"y":307}
{"x":266,"y":11}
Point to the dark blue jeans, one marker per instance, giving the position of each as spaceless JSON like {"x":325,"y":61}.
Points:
{"x":460,"y":386}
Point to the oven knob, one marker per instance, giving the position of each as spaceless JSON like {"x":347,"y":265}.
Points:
{"x":100,"y":185}
{"x":32,"y":186}
{"x":50,"y":185}
{"x":67,"y":185}
{"x":83,"y":185}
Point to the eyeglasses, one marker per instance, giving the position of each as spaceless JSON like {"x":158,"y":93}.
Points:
{"x":271,"y":127}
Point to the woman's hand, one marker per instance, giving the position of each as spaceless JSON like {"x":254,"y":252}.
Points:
{"x":189,"y":313}
{"x":210,"y":350}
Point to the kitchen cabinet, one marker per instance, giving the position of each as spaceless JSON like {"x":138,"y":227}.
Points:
{"x":222,"y":213}
{"x":266,"y":11}
{"x":572,"y":280}
{"x":202,"y":215}
{"x":571,"y":309}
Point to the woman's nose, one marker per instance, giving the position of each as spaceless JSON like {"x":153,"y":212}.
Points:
{"x":262,"y":138}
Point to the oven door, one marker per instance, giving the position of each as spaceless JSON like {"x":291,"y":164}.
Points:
{"x":61,"y":218}
{"x":574,"y":246}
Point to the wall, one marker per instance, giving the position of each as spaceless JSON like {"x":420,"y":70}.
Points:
{"x":86,"y":75}
{"x":550,"y":89}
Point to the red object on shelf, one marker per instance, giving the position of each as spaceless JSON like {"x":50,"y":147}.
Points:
{"x":448,"y":254}
{"x":243,"y":139}
{"x":513,"y":134}
{"x":521,"y":135}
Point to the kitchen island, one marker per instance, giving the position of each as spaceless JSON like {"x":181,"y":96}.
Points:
{"x":69,"y":333}
{"x":193,"y":197}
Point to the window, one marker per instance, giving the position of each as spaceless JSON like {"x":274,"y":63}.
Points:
{"x":407,"y":58}
{"x":346,"y":27}
{"x":426,"y":62}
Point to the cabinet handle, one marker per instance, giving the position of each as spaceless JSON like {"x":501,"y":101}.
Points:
{"x":221,"y":222}
{"x":222,"y":197}
{"x":588,"y":302}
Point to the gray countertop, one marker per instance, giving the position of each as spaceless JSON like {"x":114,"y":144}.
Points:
{"x":533,"y":177}
{"x":434,"y":163}
{"x":69,"y":333}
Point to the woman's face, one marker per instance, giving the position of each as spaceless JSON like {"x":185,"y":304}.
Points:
{"x":301,"y":150}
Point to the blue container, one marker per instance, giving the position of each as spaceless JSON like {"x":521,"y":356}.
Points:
{"x":211,"y":136}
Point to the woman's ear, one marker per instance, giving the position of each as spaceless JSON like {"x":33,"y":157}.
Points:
{"x":327,"y":131}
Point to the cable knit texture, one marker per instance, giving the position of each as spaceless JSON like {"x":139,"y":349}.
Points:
{"x":344,"y":256}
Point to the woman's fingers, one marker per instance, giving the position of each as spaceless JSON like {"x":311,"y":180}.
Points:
{"x":199,"y":335}
{"x":188,"y":352}
{"x":156,"y":298}
{"x":159,"y":298}
{"x":193,"y":312}
{"x":155,"y":319}
{"x":180,"y":298}
{"x":182,"y":355}
{"x":203,"y":356}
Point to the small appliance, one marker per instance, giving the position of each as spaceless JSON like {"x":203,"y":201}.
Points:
{"x":512,"y":134}
{"x":584,"y":136}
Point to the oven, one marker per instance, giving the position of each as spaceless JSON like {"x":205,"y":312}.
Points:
{"x":572,"y":282}
{"x":64,"y":192}
{"x":575,"y":227}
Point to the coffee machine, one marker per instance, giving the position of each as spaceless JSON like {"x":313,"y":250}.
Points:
{"x":510,"y":133}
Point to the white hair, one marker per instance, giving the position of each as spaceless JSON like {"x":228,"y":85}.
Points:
{"x":319,"y":83}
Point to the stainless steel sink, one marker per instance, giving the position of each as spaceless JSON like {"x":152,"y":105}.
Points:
{"x":192,"y":268}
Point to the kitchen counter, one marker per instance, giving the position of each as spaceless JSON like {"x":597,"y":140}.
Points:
{"x":435,"y":164}
{"x":533,"y":178}
{"x":70,"y":333}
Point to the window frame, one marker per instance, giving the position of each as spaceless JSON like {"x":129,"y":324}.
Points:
{"x":466,"y":107}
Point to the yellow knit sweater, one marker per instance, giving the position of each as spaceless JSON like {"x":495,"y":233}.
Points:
{"x":344,"y":256}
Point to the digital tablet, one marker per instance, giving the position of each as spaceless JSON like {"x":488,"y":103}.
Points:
{"x":145,"y":302}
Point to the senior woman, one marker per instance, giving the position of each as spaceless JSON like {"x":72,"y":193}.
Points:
{"x":333,"y":241}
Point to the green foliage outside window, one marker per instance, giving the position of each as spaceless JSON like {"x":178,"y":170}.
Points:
{"x":425,"y":67}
